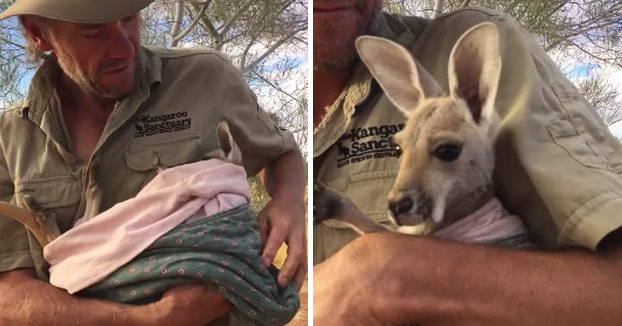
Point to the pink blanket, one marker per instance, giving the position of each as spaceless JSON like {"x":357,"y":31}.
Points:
{"x":92,"y":250}
{"x":489,"y":224}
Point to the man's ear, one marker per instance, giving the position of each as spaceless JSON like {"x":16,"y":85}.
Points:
{"x":34,"y":27}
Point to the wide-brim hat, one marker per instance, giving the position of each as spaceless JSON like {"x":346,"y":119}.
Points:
{"x":77,"y":11}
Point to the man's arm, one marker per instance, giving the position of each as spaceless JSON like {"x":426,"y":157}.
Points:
{"x":390,"y":278}
{"x":283,"y":218}
{"x":25,"y":300}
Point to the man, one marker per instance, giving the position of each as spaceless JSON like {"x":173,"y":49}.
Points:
{"x":100,"y":115}
{"x":557,"y":167}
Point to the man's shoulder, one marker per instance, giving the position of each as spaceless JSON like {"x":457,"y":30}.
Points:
{"x":471,"y":16}
{"x":473,"y":13}
{"x":199,"y":54}
{"x":12,"y":120}
{"x":13,"y":110}
{"x":456,"y":20}
{"x":191,"y":63}
{"x":476,"y":12}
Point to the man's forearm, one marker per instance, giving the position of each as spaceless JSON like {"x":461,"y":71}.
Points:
{"x":284,"y":176}
{"x":435,"y":282}
{"x":24,"y":300}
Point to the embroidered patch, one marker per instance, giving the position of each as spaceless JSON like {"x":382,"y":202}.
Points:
{"x":361,"y":144}
{"x":148,"y":125}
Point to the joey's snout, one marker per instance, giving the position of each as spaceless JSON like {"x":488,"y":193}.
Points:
{"x":409,"y":209}
{"x":399,"y":207}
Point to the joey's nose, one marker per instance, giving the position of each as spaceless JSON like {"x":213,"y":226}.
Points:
{"x":401,"y":206}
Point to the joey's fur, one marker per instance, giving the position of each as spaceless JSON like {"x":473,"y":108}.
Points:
{"x":433,"y":190}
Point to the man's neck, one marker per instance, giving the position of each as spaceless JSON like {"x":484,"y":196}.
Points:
{"x":328,"y":83}
{"x":85,"y":116}
{"x":75,"y":98}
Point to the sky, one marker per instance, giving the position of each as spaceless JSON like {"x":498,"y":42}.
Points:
{"x":616,"y":129}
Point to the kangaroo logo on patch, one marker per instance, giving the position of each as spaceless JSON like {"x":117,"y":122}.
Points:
{"x":361,"y":144}
{"x":148,"y":125}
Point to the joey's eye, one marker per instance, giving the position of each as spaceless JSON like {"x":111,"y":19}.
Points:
{"x":398,"y":151}
{"x":448,"y":152}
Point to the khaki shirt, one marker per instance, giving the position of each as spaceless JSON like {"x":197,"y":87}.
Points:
{"x":169,"y":119}
{"x":558,"y":167}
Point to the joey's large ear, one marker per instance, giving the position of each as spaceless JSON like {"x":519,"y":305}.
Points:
{"x":474,"y":68}
{"x":405,"y":82}
{"x":227,"y":144}
{"x":229,"y":150}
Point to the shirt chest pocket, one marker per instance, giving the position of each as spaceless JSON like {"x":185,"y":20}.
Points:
{"x":147,"y":156}
{"x":368,"y":191}
{"x":58,"y":194}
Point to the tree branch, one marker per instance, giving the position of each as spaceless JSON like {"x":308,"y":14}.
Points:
{"x":224,"y":29}
{"x":246,"y":49}
{"x":572,"y":32}
{"x":269,"y":51}
{"x":593,"y":55}
{"x":466,"y":3}
{"x":209,"y":27}
{"x":275,"y":86}
{"x":511,"y":6}
{"x":438,"y":7}
{"x":176,"y":39}
{"x":2,"y":39}
{"x":176,"y":27}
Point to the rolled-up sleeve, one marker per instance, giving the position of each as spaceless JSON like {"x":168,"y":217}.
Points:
{"x":259,"y":137}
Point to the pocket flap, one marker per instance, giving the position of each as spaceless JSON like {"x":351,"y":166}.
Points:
{"x":51,"y":192}
{"x":368,"y":191}
{"x":144,"y":156}
{"x":577,"y":144}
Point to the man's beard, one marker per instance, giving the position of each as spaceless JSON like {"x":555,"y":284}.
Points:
{"x":347,"y":56}
{"x":87,"y":83}
{"x":347,"y":50}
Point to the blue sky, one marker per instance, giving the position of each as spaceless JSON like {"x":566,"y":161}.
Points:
{"x":582,"y":70}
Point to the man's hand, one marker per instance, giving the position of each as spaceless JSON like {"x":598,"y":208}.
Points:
{"x":284,"y":221}
{"x":189,"y":305}
{"x":283,"y":218}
